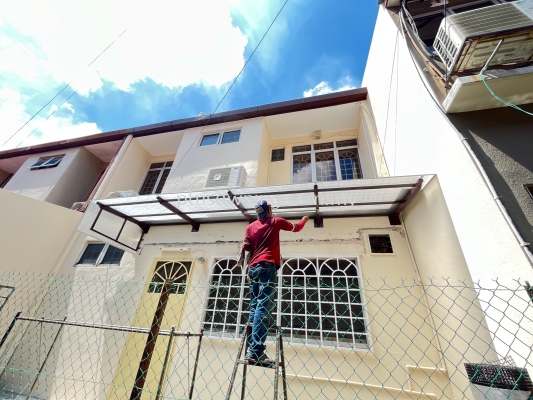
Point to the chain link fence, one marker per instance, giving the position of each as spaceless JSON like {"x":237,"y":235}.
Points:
{"x":343,"y":337}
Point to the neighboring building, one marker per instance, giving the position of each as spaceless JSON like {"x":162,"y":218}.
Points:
{"x":437,"y":111}
{"x":361,"y":314}
{"x":436,"y":116}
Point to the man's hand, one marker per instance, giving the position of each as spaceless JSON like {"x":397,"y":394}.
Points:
{"x":305,"y":219}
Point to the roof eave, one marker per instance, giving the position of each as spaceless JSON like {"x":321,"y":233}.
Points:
{"x":284,"y":107}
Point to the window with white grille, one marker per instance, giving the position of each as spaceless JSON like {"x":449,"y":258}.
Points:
{"x":319,"y":302}
{"x":155,"y":178}
{"x":329,"y":161}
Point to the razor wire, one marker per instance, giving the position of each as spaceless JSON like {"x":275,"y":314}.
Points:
{"x":76,"y":338}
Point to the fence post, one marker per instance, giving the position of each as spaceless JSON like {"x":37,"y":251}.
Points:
{"x":146,"y":358}
{"x":45,"y":359}
{"x":11,"y":325}
{"x":164,"y":370}
{"x":196,"y":363}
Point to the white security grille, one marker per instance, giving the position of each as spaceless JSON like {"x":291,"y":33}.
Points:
{"x":319,"y":302}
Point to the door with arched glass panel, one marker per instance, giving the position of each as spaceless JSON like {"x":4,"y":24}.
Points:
{"x":178,"y":273}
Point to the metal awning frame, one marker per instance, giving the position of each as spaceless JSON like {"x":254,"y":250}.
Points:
{"x":246,"y":213}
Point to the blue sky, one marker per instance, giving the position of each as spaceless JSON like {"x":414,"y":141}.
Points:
{"x":175,"y":60}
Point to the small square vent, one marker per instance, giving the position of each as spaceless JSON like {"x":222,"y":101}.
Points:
{"x":227,"y":177}
{"x":380,"y":244}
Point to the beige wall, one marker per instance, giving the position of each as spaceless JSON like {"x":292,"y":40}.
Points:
{"x":384,"y":364}
{"x":3,"y":176}
{"x":38,"y":184}
{"x":129,"y":174}
{"x":33,"y":233}
{"x":455,"y":306}
{"x":263,"y":164}
{"x":71,"y":181}
{"x":402,"y":334}
{"x":192,"y":163}
{"x":78,"y":180}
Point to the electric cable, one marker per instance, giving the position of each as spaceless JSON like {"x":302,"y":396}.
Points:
{"x":388,"y":101}
{"x":396,"y":107}
{"x":502,"y":100}
{"x":46,"y":119}
{"x":61,"y":91}
{"x":231,"y":86}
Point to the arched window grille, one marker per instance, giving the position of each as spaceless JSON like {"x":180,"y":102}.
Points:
{"x":170,"y":271}
{"x":228,"y":299}
{"x":319,"y":302}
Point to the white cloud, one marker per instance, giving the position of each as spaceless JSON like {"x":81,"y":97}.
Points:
{"x":13,"y":116}
{"x":47,"y":43}
{"x":174,"y":44}
{"x":325,"y":88}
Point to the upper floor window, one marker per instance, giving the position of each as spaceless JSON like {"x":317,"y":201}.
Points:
{"x":156,"y":178}
{"x":326,"y":162}
{"x":220,"y":138}
{"x":47,"y":162}
{"x":278,"y":155}
{"x":100,"y":253}
{"x":319,"y":301}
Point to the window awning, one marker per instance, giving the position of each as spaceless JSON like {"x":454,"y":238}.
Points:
{"x":122,"y":222}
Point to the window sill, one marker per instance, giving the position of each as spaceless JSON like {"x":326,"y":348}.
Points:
{"x":94,"y":265}
{"x":296,"y":344}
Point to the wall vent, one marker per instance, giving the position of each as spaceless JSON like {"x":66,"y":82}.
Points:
{"x":227,"y":177}
{"x":124,"y":193}
{"x":466,"y":40}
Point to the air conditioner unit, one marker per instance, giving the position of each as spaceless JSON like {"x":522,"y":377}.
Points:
{"x":124,"y":193}
{"x":465,"y":41}
{"x":227,"y":177}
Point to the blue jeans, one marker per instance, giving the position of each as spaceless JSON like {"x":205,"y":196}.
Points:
{"x":262,"y":289}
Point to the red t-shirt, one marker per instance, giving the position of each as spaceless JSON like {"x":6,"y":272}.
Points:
{"x":262,"y":238}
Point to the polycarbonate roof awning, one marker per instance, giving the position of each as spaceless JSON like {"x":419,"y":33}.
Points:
{"x":123,"y":221}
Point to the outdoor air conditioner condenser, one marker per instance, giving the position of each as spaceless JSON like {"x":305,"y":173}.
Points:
{"x":124,"y":193}
{"x":466,"y":40}
{"x":226,"y":177}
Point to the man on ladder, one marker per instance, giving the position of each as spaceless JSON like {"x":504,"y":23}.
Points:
{"x":261,"y":240}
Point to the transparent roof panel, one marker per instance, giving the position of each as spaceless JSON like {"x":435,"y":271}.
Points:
{"x":337,"y":198}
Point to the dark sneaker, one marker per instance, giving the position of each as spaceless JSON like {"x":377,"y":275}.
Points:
{"x":263,"y":360}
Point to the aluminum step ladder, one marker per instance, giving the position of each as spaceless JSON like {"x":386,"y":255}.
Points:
{"x":278,"y":365}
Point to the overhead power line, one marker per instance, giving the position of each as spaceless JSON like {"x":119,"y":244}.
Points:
{"x":232,"y":84}
{"x":58,"y":93}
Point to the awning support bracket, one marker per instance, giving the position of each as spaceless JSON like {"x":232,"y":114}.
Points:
{"x":394,"y":218}
{"x":319,"y":221}
{"x":235,"y":200}
{"x":195,"y":224}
